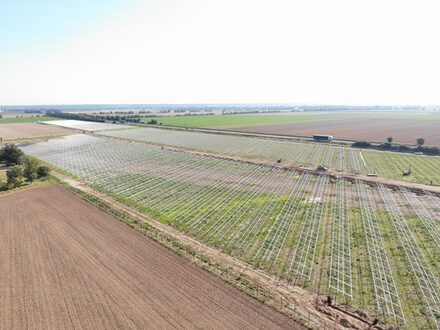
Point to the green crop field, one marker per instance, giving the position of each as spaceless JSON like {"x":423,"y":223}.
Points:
{"x":218,"y":120}
{"x":11,"y":120}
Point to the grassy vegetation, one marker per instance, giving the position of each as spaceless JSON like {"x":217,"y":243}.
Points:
{"x":217,"y":120}
{"x":421,"y":116}
{"x":11,"y":120}
{"x":18,"y":169}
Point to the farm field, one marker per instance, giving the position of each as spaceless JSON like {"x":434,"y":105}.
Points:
{"x":14,"y":114}
{"x":66,"y":264}
{"x":29,"y":130}
{"x":338,"y":158}
{"x":405,"y":127}
{"x":85,"y":125}
{"x":226,"y":120}
{"x":23,"y":118}
{"x":367,"y":246}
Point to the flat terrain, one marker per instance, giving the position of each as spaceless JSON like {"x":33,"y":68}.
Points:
{"x":404,"y":127}
{"x":226,"y":120}
{"x":66,"y":264}
{"x":29,"y":130}
{"x":360,"y":244}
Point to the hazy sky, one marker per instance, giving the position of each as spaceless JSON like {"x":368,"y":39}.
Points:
{"x":219,"y":51}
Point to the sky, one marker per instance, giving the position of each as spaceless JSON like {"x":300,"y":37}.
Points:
{"x":219,"y":51}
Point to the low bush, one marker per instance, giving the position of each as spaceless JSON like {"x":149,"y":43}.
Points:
{"x":361,"y":144}
{"x":43,"y":171}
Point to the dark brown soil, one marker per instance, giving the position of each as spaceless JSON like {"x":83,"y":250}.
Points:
{"x":66,"y":264}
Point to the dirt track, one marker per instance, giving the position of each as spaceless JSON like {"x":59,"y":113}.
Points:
{"x":66,"y":264}
{"x":30,"y":130}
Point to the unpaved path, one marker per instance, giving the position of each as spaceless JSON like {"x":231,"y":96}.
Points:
{"x":67,"y":265}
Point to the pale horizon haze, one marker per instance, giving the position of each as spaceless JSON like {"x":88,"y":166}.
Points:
{"x":219,"y":51}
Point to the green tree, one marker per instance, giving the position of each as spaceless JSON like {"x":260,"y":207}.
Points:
{"x":14,"y":176}
{"x":390,"y":139}
{"x":30,"y":168}
{"x":11,"y":154}
{"x":43,"y":171}
{"x":420,"y":141}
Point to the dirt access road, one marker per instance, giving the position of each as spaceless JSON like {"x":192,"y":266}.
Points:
{"x":66,"y":264}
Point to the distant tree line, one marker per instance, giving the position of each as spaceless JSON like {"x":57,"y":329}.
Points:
{"x":22,"y":169}
{"x":101,"y":117}
{"x":247,"y":112}
{"x":389,"y":146}
{"x":34,"y":111}
{"x":105,"y":117}
{"x":194,"y":114}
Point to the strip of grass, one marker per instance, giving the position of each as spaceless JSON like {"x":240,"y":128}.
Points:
{"x":421,"y":116}
{"x":12,"y":120}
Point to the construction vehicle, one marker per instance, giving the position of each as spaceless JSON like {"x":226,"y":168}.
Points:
{"x":407,"y":173}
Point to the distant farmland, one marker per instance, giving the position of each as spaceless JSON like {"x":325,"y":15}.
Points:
{"x":405,"y":127}
{"x":67,"y":265}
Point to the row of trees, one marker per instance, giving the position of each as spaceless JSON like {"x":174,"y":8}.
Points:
{"x":420,"y":141}
{"x":22,"y":167}
{"x":388,"y":145}
{"x":103,"y":117}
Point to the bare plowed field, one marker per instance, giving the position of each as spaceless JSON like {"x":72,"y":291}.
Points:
{"x":29,"y":130}
{"x":370,"y":126}
{"x":65,"y":264}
